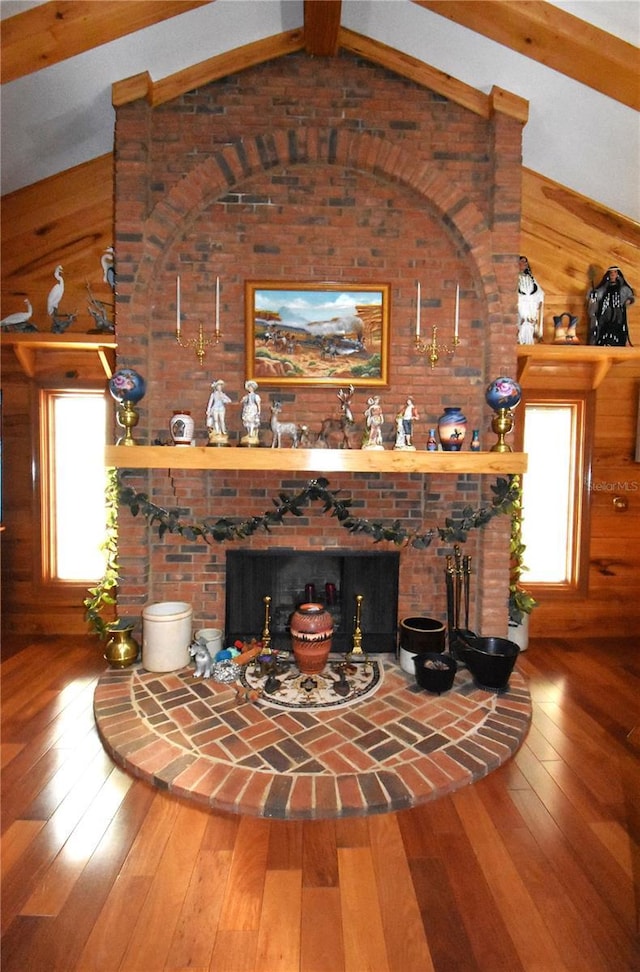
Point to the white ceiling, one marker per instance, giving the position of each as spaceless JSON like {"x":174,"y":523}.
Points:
{"x":61,"y":116}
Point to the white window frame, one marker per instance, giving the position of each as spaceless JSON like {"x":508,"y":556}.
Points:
{"x":48,"y":396}
{"x":583,"y":406}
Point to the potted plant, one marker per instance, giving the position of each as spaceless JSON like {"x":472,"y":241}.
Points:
{"x":121,"y":648}
{"x":521,"y":601}
{"x":102,"y":596}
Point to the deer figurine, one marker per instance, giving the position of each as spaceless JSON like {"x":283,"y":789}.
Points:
{"x":280,"y":429}
{"x":344,"y":430}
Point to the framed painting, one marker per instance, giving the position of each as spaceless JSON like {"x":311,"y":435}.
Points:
{"x":317,"y":333}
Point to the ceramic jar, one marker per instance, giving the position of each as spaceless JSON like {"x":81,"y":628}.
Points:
{"x":166,"y":636}
{"x":182,"y":428}
{"x":452,"y":427}
{"x":311,"y":637}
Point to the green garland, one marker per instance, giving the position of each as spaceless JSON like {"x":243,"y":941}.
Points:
{"x":223,"y":530}
{"x":456,"y":528}
{"x":103,"y":595}
{"x":521,"y":601}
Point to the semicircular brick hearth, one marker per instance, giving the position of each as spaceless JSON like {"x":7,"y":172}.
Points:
{"x":400,"y":748}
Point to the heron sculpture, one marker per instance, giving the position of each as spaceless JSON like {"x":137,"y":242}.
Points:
{"x":108,"y":267}
{"x":20,"y":320}
{"x":56,"y":292}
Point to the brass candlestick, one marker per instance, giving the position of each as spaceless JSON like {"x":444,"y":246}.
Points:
{"x":356,"y":649}
{"x":266,"y":633}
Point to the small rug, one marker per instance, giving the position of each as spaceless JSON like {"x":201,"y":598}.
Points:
{"x":338,"y":685}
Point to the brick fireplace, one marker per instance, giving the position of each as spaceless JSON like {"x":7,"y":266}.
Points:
{"x":312,"y":170}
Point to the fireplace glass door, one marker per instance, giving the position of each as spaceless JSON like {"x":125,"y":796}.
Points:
{"x":331,"y":578}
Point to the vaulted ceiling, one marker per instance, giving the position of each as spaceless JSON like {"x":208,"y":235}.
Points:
{"x":61,"y":60}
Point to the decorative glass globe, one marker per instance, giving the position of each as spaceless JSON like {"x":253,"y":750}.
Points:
{"x":503,"y":393}
{"x":126,"y":385}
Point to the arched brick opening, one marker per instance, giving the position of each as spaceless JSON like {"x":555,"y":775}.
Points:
{"x":238,"y":163}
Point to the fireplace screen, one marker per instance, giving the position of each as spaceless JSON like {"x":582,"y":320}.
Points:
{"x":332,"y":578}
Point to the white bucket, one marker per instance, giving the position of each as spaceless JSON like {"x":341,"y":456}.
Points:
{"x":406,"y":661}
{"x":166,"y":636}
{"x":212,"y":638}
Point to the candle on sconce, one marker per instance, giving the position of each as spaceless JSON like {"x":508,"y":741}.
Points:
{"x":177,"y":306}
{"x":217,"y":305}
{"x":456,"y":322}
{"x":418,"y":313}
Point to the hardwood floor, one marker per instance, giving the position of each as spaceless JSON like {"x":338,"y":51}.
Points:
{"x":536,"y":867}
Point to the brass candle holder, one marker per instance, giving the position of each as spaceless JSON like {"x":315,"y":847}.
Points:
{"x":433,"y":350}
{"x":266,"y":631}
{"x":357,"y":653}
{"x":199,"y":344}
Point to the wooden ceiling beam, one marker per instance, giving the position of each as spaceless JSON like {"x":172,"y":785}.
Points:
{"x":56,"y":31}
{"x":555,"y":38}
{"x":214,"y":68}
{"x":322,"y":26}
{"x":410,"y":67}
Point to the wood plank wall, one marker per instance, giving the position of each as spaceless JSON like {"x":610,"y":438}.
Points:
{"x":68,"y":220}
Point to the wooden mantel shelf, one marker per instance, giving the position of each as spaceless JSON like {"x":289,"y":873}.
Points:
{"x":27,"y":345}
{"x":568,"y":366}
{"x":313,"y":460}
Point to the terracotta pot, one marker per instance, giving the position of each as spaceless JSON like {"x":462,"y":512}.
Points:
{"x":311,"y":637}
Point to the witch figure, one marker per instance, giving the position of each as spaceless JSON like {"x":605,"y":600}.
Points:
{"x":607,"y":307}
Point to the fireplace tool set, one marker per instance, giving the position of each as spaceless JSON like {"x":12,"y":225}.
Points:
{"x":457,"y":579}
{"x":489,"y":659}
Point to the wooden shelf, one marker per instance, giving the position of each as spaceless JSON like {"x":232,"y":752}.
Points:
{"x":313,"y":460}
{"x":28,"y":345}
{"x":573,"y":367}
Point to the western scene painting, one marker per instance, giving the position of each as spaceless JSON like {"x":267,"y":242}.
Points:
{"x":317,"y":333}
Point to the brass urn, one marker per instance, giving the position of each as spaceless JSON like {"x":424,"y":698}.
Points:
{"x":121,"y":649}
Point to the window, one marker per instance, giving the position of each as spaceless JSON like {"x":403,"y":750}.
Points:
{"x":554,"y":496}
{"x":73,"y":436}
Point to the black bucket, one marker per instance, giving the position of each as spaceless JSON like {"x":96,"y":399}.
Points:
{"x":420,"y":635}
{"x":491,"y":661}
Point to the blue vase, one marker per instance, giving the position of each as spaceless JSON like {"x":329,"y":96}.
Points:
{"x":452,"y":428}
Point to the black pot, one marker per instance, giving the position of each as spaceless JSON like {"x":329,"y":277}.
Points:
{"x":491,"y":661}
{"x":419,"y":635}
{"x":459,"y":641}
{"x":435,"y":679}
